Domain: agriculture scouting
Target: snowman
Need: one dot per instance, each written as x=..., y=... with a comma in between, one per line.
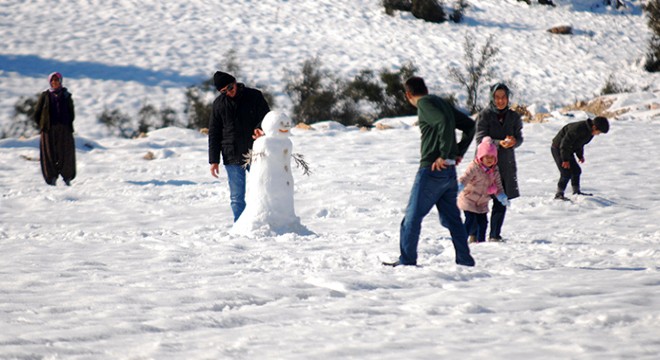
x=269, y=193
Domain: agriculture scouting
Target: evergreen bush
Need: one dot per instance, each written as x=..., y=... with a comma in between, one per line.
x=429, y=10
x=401, y=5
x=395, y=102
x=313, y=92
x=197, y=106
x=118, y=123
x=652, y=9
x=22, y=121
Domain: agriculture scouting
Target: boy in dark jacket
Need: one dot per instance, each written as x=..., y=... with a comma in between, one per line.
x=570, y=140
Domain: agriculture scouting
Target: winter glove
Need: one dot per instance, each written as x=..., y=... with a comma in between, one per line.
x=502, y=198
x=460, y=187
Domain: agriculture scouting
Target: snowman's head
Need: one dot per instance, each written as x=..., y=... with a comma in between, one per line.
x=276, y=123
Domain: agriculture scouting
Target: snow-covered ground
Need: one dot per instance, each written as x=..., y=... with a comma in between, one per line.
x=136, y=259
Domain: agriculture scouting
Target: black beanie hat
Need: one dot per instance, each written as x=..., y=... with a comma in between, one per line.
x=602, y=124
x=222, y=79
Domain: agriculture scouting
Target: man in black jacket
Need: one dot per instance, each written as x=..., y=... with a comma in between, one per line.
x=570, y=140
x=234, y=124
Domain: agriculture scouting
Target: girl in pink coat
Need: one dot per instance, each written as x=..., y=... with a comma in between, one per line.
x=480, y=181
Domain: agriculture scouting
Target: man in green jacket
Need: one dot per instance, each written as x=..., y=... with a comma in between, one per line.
x=435, y=182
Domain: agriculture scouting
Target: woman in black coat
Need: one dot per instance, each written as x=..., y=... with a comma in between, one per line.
x=504, y=126
x=55, y=114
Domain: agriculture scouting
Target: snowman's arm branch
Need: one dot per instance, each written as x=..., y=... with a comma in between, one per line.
x=300, y=162
x=250, y=156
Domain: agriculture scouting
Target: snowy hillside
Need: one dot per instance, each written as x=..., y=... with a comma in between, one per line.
x=123, y=54
x=136, y=260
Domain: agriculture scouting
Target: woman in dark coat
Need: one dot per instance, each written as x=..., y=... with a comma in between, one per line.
x=55, y=114
x=504, y=126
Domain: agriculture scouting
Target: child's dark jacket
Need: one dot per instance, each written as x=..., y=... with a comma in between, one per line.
x=572, y=138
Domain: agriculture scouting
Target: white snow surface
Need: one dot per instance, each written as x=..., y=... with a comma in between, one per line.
x=136, y=260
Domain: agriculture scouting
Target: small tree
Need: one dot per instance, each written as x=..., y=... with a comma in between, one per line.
x=22, y=121
x=429, y=10
x=652, y=9
x=478, y=70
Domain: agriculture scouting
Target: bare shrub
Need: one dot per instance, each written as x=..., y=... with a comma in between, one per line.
x=477, y=69
x=612, y=86
x=459, y=11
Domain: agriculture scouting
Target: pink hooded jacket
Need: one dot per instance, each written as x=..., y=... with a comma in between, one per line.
x=480, y=182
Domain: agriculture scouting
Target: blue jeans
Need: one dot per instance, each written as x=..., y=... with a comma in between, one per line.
x=437, y=188
x=236, y=177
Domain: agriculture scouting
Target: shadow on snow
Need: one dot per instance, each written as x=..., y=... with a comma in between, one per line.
x=33, y=65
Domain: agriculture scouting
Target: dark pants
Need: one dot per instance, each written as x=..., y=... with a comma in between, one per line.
x=565, y=175
x=497, y=219
x=478, y=221
x=439, y=189
x=57, y=154
x=497, y=214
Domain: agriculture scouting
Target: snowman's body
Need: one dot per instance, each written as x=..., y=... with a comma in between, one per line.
x=269, y=193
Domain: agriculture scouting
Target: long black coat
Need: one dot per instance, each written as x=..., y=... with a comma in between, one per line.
x=232, y=124
x=489, y=125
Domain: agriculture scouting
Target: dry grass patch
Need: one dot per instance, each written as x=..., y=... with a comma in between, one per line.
x=599, y=106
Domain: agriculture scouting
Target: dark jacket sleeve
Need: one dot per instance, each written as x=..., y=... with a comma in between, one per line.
x=468, y=129
x=72, y=109
x=215, y=134
x=570, y=143
x=264, y=109
x=482, y=127
x=38, y=111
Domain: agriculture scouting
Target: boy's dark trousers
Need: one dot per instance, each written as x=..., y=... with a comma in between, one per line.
x=478, y=223
x=565, y=175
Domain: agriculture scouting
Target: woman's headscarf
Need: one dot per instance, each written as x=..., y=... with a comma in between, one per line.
x=493, y=89
x=50, y=78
